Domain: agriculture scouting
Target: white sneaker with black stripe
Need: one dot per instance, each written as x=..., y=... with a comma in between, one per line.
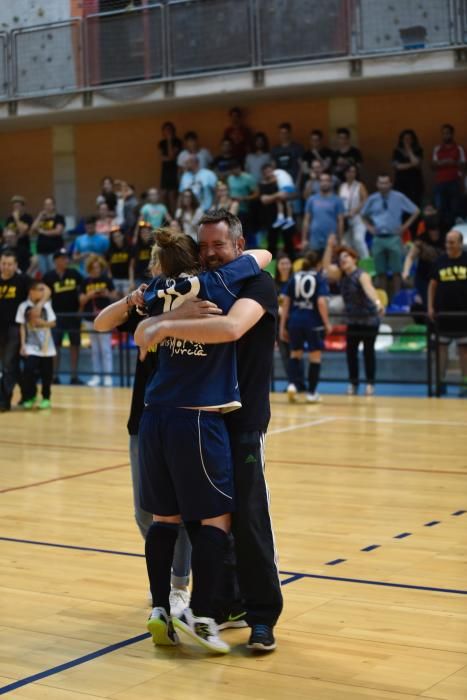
x=202, y=630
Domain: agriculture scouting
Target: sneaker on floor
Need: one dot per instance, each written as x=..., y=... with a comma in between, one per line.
x=202, y=630
x=45, y=403
x=369, y=390
x=179, y=600
x=94, y=381
x=261, y=638
x=280, y=221
x=76, y=381
x=108, y=381
x=288, y=223
x=352, y=390
x=233, y=619
x=292, y=393
x=161, y=628
x=30, y=403
x=313, y=398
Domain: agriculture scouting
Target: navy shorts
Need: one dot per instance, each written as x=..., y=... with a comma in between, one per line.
x=185, y=463
x=304, y=336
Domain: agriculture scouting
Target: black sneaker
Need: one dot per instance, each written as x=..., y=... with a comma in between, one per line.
x=232, y=619
x=261, y=638
x=76, y=381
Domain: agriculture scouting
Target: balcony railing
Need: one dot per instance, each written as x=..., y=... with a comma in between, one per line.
x=186, y=38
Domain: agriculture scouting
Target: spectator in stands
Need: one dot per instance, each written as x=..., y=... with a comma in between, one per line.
x=189, y=214
x=383, y=215
x=282, y=277
x=13, y=291
x=287, y=154
x=120, y=256
x=154, y=211
x=447, y=292
x=223, y=199
x=104, y=220
x=90, y=243
x=64, y=283
x=223, y=163
x=192, y=148
x=258, y=157
x=426, y=249
x=107, y=195
x=407, y=161
x=20, y=222
x=201, y=181
x=429, y=219
x=324, y=214
x=244, y=190
x=238, y=134
x=270, y=197
x=354, y=194
x=142, y=253
x=345, y=154
x=129, y=207
x=97, y=292
x=310, y=183
x=49, y=226
x=363, y=309
x=36, y=319
x=316, y=151
x=169, y=148
x=449, y=164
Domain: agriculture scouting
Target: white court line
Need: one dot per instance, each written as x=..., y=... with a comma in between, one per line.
x=308, y=424
x=402, y=421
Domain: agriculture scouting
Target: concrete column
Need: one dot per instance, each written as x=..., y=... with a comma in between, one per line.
x=64, y=172
x=343, y=112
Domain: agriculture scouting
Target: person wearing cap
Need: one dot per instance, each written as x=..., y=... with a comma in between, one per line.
x=89, y=243
x=20, y=222
x=142, y=252
x=64, y=283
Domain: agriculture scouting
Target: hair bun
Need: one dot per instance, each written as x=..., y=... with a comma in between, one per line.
x=164, y=237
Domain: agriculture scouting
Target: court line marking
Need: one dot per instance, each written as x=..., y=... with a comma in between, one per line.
x=63, y=478
x=55, y=446
x=296, y=575
x=367, y=466
x=308, y=424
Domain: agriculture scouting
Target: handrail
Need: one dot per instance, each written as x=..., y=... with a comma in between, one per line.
x=348, y=34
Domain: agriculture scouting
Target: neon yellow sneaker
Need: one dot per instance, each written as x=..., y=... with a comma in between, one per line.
x=45, y=403
x=30, y=403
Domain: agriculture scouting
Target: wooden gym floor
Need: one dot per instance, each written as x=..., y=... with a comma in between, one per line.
x=369, y=504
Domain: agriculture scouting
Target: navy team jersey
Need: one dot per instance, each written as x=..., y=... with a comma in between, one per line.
x=304, y=290
x=194, y=374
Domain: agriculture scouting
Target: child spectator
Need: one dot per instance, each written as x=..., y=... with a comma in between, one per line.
x=36, y=318
x=154, y=211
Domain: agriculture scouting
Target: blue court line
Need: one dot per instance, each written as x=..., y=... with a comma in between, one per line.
x=402, y=535
x=291, y=579
x=432, y=523
x=370, y=547
x=334, y=562
x=72, y=546
x=71, y=664
x=388, y=584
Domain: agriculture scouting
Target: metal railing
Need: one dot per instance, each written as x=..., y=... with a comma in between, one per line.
x=399, y=369
x=186, y=38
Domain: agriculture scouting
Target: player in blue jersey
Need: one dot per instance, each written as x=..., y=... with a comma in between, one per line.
x=186, y=462
x=304, y=320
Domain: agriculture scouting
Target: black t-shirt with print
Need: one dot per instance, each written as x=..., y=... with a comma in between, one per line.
x=254, y=359
x=12, y=293
x=65, y=290
x=143, y=373
x=324, y=153
x=49, y=244
x=142, y=258
x=23, y=245
x=97, y=284
x=451, y=291
x=119, y=261
x=267, y=212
